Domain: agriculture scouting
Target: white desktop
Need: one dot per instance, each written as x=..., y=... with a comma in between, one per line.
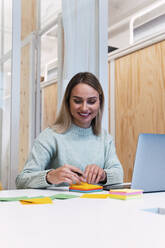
x=81, y=223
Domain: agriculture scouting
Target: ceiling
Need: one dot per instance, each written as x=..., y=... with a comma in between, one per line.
x=118, y=10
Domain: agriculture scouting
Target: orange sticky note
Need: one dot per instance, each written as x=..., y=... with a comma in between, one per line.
x=44, y=200
x=85, y=187
x=96, y=196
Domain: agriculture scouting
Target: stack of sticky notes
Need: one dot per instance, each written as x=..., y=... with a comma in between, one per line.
x=125, y=194
x=85, y=188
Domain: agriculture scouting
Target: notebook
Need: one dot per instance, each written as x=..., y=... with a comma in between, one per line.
x=149, y=166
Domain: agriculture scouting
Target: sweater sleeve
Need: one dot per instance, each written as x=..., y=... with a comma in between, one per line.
x=36, y=167
x=112, y=164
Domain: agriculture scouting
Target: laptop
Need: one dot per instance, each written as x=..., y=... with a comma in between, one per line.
x=149, y=166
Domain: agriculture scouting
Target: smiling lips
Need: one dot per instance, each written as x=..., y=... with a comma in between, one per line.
x=84, y=114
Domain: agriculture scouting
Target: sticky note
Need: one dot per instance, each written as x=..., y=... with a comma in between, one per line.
x=125, y=197
x=125, y=194
x=126, y=191
x=96, y=196
x=63, y=196
x=85, y=187
x=9, y=199
x=1, y=186
x=44, y=200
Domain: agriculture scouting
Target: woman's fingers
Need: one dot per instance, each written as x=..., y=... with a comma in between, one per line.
x=99, y=175
x=66, y=173
x=94, y=174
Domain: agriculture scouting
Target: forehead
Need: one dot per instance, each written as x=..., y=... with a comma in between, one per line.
x=84, y=90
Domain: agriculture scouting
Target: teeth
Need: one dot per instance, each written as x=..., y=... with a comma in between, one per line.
x=84, y=114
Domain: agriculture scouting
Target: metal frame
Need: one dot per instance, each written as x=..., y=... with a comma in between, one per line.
x=15, y=55
x=140, y=14
x=1, y=75
x=39, y=34
x=15, y=92
x=32, y=89
x=102, y=53
x=136, y=46
x=34, y=39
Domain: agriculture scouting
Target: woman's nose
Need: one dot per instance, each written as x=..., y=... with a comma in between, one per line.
x=84, y=106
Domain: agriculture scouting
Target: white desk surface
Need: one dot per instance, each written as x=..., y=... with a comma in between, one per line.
x=81, y=222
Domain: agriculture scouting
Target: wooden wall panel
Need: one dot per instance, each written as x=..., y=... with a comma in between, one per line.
x=49, y=105
x=28, y=17
x=28, y=25
x=140, y=100
x=24, y=106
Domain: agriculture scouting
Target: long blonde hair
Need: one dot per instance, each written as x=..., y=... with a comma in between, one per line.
x=64, y=118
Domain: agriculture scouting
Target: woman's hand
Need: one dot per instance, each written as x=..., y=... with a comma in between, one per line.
x=94, y=174
x=65, y=174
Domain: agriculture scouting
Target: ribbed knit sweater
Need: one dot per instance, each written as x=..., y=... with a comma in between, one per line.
x=78, y=147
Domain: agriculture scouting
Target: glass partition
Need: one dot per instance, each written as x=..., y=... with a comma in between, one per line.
x=5, y=88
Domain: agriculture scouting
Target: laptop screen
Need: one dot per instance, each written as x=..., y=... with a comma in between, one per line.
x=149, y=166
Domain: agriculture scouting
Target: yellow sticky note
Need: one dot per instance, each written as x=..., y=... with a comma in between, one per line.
x=0, y=186
x=96, y=196
x=124, y=197
x=44, y=200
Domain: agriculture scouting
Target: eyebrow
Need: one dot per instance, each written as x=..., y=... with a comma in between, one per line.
x=92, y=97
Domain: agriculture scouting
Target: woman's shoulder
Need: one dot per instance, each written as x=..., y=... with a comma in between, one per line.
x=106, y=135
x=47, y=134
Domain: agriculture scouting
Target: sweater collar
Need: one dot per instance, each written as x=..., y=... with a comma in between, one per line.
x=81, y=131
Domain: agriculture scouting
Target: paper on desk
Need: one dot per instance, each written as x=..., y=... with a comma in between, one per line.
x=18, y=198
x=98, y=196
x=13, y=198
x=44, y=200
x=63, y=196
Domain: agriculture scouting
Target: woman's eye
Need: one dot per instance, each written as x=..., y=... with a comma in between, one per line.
x=91, y=102
x=77, y=101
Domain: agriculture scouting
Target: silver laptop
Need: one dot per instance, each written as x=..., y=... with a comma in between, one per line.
x=149, y=166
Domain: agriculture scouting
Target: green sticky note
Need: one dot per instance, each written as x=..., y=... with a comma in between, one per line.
x=34, y=197
x=18, y=198
x=13, y=198
x=63, y=196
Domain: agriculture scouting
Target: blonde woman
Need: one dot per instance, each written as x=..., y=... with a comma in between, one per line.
x=76, y=148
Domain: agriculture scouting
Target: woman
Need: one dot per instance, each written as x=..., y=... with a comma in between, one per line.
x=75, y=149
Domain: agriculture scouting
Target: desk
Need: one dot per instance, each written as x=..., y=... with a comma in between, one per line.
x=81, y=223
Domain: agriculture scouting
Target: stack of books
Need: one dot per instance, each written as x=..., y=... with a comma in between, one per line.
x=85, y=188
x=125, y=194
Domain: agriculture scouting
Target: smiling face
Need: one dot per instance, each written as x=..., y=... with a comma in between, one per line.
x=84, y=104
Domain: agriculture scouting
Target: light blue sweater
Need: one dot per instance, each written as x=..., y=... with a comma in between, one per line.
x=78, y=147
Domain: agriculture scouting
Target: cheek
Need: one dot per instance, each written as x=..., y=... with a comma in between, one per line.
x=96, y=109
x=73, y=108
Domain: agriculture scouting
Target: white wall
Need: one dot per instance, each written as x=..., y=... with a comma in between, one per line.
x=119, y=39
